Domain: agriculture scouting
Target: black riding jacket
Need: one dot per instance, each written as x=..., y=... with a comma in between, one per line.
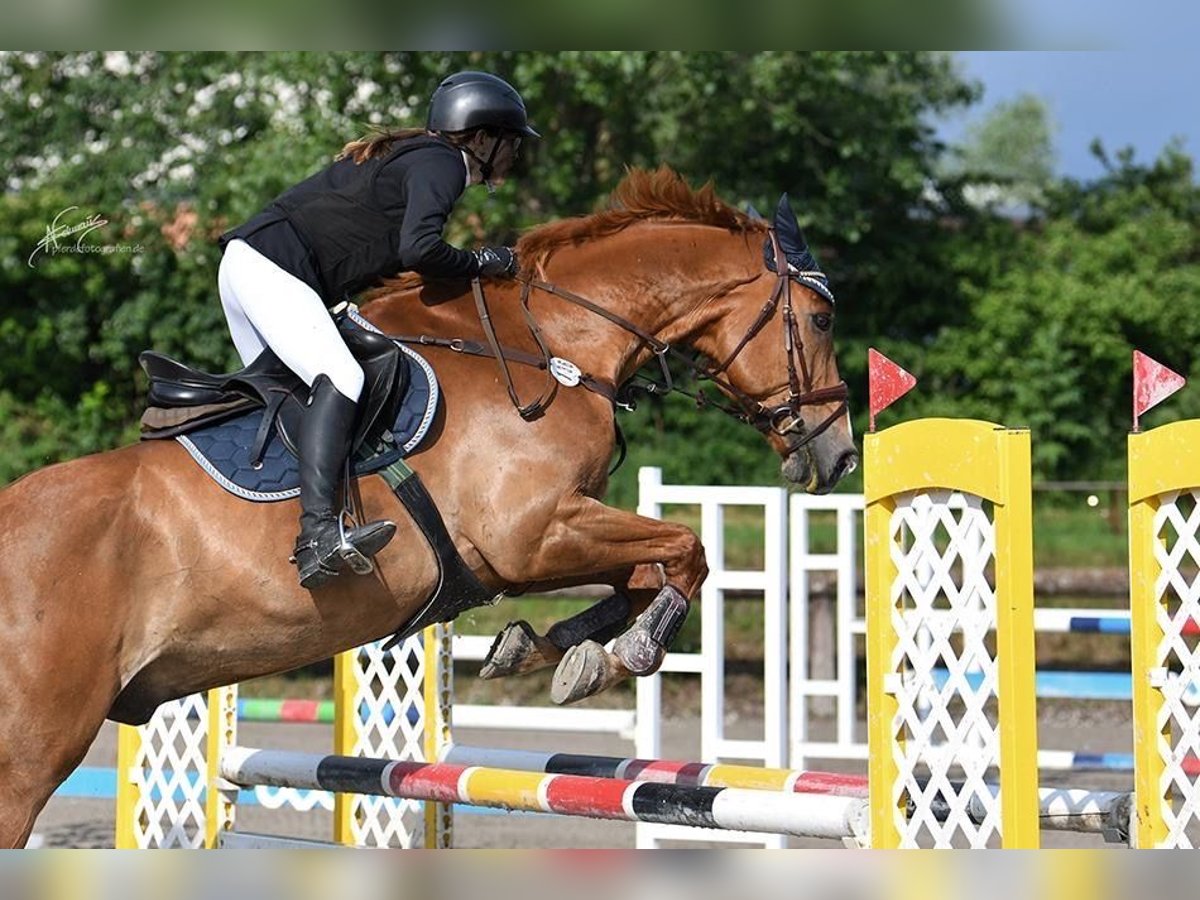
x=351, y=224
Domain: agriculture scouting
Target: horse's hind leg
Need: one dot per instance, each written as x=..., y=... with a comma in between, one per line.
x=36, y=758
x=19, y=809
x=31, y=770
x=55, y=703
x=518, y=649
x=26, y=783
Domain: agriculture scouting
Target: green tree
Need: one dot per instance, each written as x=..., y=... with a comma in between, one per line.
x=1114, y=265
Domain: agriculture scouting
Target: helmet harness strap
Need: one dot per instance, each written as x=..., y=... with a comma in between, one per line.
x=486, y=166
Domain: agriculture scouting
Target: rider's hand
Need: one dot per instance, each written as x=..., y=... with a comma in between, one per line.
x=497, y=261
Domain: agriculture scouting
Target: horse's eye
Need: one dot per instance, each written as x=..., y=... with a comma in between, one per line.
x=823, y=321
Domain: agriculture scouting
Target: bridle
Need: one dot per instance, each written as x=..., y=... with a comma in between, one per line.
x=783, y=419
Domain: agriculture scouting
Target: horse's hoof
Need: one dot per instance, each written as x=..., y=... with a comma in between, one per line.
x=584, y=671
x=512, y=646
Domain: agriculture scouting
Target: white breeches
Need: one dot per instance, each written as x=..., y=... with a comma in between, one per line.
x=268, y=307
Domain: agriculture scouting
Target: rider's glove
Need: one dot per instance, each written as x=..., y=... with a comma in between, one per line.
x=497, y=261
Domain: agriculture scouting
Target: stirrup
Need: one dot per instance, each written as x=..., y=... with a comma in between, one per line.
x=359, y=563
x=358, y=546
x=351, y=548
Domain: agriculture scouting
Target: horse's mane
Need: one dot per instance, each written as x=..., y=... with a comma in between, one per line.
x=641, y=195
x=662, y=194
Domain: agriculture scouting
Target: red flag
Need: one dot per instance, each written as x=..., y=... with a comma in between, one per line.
x=1152, y=384
x=886, y=381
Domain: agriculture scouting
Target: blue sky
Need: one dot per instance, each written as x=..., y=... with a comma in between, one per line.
x=1138, y=98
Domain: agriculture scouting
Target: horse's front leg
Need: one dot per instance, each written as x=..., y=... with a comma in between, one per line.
x=518, y=649
x=668, y=567
x=588, y=668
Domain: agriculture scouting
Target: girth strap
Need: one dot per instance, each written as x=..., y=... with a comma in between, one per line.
x=457, y=587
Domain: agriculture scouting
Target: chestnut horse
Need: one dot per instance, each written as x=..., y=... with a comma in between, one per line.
x=130, y=578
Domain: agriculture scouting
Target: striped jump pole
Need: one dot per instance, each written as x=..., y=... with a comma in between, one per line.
x=307, y=712
x=729, y=809
x=661, y=771
x=1059, y=809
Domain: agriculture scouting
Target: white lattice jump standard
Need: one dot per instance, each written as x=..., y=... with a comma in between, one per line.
x=948, y=500
x=947, y=507
x=395, y=705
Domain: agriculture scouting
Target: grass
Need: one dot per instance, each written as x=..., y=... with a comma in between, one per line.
x=1070, y=533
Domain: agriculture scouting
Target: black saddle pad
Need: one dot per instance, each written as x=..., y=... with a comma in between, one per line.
x=223, y=450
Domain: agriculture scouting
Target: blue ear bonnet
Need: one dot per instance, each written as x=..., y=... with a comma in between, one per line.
x=802, y=265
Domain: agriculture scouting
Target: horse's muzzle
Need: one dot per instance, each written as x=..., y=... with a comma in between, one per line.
x=803, y=467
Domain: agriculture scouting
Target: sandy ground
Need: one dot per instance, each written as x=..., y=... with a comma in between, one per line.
x=72, y=822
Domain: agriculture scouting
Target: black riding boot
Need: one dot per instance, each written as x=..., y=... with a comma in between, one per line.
x=322, y=551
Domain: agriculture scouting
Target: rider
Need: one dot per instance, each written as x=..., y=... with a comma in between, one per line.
x=377, y=210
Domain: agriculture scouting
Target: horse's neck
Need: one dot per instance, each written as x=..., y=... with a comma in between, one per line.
x=659, y=277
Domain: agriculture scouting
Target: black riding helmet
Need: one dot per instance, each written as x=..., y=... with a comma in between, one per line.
x=468, y=100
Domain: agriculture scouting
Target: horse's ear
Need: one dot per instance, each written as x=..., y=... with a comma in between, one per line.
x=787, y=229
x=754, y=213
x=791, y=239
x=802, y=265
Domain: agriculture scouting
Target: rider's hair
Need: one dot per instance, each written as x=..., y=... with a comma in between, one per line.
x=458, y=138
x=377, y=143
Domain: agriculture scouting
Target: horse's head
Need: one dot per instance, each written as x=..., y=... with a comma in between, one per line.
x=668, y=265
x=776, y=360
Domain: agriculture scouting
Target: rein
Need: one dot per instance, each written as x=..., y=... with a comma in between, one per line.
x=748, y=409
x=782, y=419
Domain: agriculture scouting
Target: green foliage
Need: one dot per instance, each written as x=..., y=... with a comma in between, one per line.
x=1110, y=267
x=1022, y=323
x=691, y=448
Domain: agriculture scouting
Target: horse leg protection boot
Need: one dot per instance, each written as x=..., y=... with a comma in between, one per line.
x=643, y=646
x=600, y=622
x=324, y=548
x=587, y=668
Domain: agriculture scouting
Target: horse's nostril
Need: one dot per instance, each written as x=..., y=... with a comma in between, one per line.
x=846, y=464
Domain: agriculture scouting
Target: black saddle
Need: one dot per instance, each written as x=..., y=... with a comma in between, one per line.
x=183, y=399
